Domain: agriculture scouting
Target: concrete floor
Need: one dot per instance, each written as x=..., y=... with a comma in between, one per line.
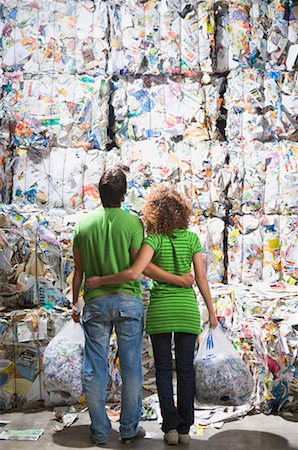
x=254, y=432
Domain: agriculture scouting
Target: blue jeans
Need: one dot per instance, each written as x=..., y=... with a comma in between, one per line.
x=178, y=418
x=101, y=314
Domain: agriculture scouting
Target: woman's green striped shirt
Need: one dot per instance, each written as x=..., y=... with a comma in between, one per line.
x=173, y=308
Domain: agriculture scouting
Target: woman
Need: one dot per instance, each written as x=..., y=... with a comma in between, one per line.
x=173, y=311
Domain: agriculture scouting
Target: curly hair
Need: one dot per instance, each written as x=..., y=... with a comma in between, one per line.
x=165, y=211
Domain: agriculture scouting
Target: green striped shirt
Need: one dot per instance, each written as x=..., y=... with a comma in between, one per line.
x=173, y=308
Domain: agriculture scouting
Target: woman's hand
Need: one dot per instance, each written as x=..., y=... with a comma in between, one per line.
x=187, y=280
x=93, y=282
x=213, y=321
x=75, y=314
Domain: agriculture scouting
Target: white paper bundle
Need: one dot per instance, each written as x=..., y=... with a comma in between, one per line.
x=161, y=37
x=67, y=109
x=61, y=37
x=55, y=180
x=153, y=107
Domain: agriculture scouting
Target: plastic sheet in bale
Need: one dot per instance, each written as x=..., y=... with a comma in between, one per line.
x=29, y=105
x=247, y=165
x=282, y=35
x=272, y=268
x=17, y=246
x=236, y=171
x=254, y=177
x=5, y=164
x=255, y=34
x=162, y=36
x=83, y=110
x=289, y=178
x=263, y=332
x=135, y=37
x=20, y=35
x=91, y=39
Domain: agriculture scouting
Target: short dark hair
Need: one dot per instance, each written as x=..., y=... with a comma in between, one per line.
x=112, y=187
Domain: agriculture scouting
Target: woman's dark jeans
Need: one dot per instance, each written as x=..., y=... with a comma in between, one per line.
x=178, y=418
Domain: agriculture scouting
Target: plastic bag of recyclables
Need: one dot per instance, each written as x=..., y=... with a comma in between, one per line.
x=221, y=377
x=63, y=360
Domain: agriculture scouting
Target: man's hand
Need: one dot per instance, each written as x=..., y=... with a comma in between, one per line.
x=187, y=280
x=93, y=282
x=75, y=314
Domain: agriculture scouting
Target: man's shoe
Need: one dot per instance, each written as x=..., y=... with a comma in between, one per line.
x=184, y=438
x=140, y=434
x=171, y=437
x=99, y=443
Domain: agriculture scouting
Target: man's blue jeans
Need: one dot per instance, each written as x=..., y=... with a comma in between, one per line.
x=101, y=314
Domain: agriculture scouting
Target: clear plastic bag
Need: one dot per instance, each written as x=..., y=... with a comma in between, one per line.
x=63, y=360
x=221, y=377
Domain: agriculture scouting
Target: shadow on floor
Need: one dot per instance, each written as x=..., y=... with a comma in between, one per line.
x=248, y=440
x=78, y=437
x=292, y=418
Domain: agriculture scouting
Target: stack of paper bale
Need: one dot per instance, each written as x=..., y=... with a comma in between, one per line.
x=200, y=95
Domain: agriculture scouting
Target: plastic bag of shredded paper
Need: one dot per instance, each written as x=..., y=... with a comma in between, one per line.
x=221, y=377
x=63, y=360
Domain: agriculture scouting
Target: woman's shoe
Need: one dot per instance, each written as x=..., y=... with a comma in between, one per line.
x=171, y=437
x=184, y=438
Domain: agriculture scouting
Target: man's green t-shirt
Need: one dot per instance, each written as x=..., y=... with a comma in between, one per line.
x=105, y=238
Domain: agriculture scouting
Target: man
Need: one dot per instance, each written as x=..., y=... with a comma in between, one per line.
x=105, y=242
